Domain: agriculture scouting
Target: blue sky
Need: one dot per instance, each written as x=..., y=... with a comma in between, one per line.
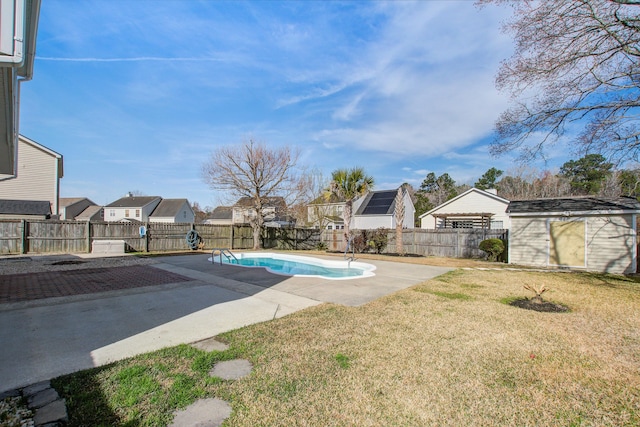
x=136, y=94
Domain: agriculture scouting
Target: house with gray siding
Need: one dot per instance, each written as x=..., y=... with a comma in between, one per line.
x=221, y=215
x=71, y=207
x=589, y=233
x=38, y=173
x=91, y=213
x=173, y=211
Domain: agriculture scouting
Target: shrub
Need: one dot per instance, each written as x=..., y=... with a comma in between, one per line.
x=360, y=242
x=493, y=248
x=378, y=239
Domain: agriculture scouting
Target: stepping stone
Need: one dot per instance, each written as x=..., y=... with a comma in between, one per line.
x=55, y=413
x=231, y=369
x=202, y=413
x=210, y=344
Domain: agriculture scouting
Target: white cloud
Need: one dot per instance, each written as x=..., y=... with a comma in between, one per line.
x=429, y=88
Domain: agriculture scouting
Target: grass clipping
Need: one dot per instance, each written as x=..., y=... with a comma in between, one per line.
x=446, y=352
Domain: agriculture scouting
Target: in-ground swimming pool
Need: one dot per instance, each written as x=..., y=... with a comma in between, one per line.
x=295, y=265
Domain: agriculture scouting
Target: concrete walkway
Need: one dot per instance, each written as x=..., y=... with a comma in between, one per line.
x=45, y=338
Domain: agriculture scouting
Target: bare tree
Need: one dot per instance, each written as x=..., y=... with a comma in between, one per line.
x=316, y=212
x=252, y=170
x=576, y=66
x=526, y=183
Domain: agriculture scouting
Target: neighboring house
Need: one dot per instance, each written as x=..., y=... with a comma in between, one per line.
x=71, y=207
x=373, y=210
x=38, y=174
x=24, y=209
x=472, y=209
x=222, y=215
x=18, y=31
x=326, y=213
x=589, y=233
x=274, y=211
x=131, y=208
x=173, y=211
x=92, y=213
x=377, y=210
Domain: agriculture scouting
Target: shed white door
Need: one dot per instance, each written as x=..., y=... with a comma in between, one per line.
x=567, y=243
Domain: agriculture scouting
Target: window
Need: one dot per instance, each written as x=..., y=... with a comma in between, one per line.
x=126, y=213
x=329, y=227
x=462, y=224
x=112, y=212
x=137, y=213
x=184, y=214
x=496, y=225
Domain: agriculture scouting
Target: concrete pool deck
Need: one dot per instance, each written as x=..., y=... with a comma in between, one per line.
x=48, y=337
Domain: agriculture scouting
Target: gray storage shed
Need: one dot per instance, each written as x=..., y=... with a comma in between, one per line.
x=590, y=233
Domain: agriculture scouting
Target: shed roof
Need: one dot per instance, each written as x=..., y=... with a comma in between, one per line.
x=169, y=207
x=574, y=204
x=25, y=207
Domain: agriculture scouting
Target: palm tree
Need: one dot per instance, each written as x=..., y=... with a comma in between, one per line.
x=348, y=185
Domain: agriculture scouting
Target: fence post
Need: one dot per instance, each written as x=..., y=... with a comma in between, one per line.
x=146, y=238
x=25, y=234
x=88, y=231
x=231, y=242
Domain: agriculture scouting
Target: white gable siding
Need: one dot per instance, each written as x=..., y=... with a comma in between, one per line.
x=472, y=202
x=36, y=176
x=610, y=240
x=370, y=222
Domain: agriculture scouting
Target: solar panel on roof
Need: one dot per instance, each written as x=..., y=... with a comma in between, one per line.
x=379, y=203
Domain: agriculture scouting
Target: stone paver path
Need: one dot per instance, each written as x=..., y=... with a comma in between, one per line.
x=212, y=412
x=203, y=413
x=231, y=369
x=51, y=284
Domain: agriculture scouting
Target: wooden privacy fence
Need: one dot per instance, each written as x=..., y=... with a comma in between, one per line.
x=27, y=236
x=446, y=242
x=30, y=236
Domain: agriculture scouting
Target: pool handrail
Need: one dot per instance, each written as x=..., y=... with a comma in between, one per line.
x=353, y=251
x=222, y=251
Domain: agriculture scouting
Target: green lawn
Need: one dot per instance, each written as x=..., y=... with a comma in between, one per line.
x=449, y=351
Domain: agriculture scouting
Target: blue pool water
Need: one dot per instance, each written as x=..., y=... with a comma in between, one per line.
x=294, y=268
x=293, y=265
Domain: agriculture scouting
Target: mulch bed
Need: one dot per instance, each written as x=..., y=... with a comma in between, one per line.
x=50, y=284
x=544, y=306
